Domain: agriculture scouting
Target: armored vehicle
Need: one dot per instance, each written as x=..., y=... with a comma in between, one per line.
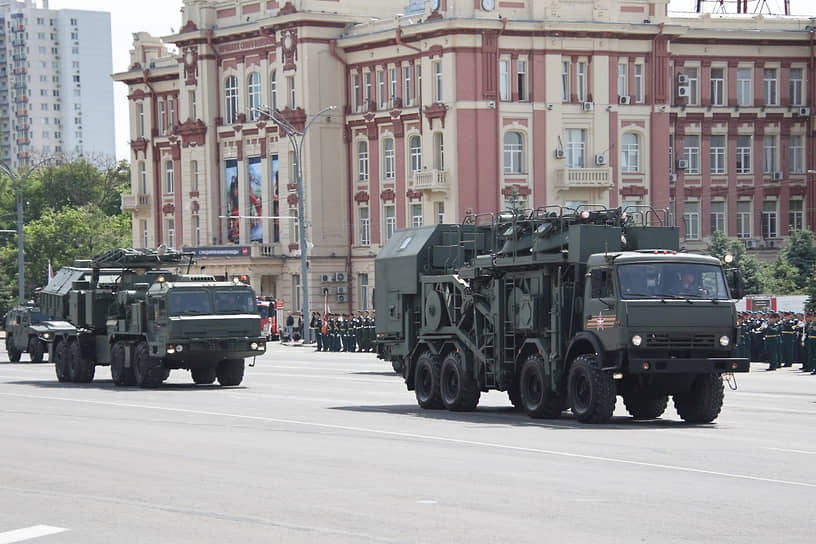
x=127, y=309
x=561, y=308
x=23, y=326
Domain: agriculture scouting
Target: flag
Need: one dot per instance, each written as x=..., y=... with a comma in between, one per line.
x=50, y=271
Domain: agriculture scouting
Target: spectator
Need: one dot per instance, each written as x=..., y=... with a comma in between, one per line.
x=290, y=325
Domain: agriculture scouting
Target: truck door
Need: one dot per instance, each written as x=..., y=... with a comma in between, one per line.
x=600, y=308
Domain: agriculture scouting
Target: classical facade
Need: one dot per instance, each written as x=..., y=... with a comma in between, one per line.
x=447, y=107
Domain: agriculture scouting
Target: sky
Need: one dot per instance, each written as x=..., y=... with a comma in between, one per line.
x=162, y=17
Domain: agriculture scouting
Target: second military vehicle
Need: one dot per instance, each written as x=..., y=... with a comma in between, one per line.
x=126, y=309
x=23, y=326
x=560, y=308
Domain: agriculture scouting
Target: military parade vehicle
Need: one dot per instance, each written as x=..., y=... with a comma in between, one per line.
x=127, y=309
x=561, y=308
x=22, y=325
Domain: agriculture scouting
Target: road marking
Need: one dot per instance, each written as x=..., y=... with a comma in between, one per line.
x=793, y=451
x=432, y=438
x=28, y=533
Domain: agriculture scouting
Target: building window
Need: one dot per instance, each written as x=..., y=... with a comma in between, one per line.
x=231, y=100
x=744, y=154
x=576, y=147
x=691, y=153
x=744, y=87
x=171, y=232
x=362, y=281
x=142, y=178
x=171, y=119
x=365, y=227
x=254, y=95
x=418, y=84
x=415, y=149
x=438, y=80
x=513, y=153
x=580, y=81
x=565, y=77
x=169, y=175
x=194, y=172
x=691, y=74
x=691, y=218
x=196, y=230
x=718, y=154
x=191, y=98
x=355, y=91
x=290, y=86
x=162, y=118
x=390, y=221
x=623, y=80
x=717, y=86
x=367, y=91
x=744, y=219
x=439, y=151
x=362, y=161
x=769, y=85
x=273, y=89
x=406, y=85
x=796, y=86
x=504, y=80
x=797, y=154
x=389, y=159
x=521, y=79
x=769, y=154
x=769, y=227
x=380, y=89
x=416, y=215
x=440, y=213
x=638, y=83
x=718, y=216
x=145, y=238
x=796, y=215
x=392, y=72
x=630, y=153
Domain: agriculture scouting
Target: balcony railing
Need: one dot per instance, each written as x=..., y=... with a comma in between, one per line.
x=431, y=180
x=135, y=202
x=584, y=178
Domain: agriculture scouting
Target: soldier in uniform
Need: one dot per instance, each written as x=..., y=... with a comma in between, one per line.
x=358, y=332
x=810, y=344
x=743, y=348
x=372, y=332
x=317, y=325
x=788, y=330
x=773, y=342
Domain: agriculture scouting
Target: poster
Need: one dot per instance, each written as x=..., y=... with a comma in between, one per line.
x=233, y=222
x=255, y=200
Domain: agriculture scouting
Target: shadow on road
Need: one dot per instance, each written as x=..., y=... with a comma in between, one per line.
x=391, y=373
x=108, y=384
x=23, y=363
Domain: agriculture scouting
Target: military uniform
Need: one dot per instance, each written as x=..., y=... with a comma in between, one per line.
x=788, y=331
x=810, y=346
x=773, y=343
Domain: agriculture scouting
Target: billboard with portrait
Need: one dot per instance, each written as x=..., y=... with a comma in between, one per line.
x=233, y=213
x=255, y=199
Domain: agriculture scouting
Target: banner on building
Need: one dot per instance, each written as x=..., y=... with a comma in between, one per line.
x=255, y=199
x=275, y=203
x=233, y=223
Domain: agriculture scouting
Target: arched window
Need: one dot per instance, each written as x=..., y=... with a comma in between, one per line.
x=630, y=153
x=415, y=149
x=389, y=159
x=169, y=177
x=513, y=153
x=231, y=99
x=254, y=95
x=362, y=161
x=273, y=87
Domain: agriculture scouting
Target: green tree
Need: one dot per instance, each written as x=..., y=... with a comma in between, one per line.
x=753, y=272
x=783, y=278
x=800, y=252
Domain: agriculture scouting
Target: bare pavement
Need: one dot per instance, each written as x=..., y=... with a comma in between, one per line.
x=325, y=447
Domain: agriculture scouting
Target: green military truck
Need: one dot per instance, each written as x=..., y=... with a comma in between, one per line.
x=127, y=309
x=561, y=309
x=23, y=325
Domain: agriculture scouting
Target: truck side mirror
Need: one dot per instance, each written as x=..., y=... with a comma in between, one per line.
x=735, y=283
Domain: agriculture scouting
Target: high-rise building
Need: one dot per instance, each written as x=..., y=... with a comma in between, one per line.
x=56, y=95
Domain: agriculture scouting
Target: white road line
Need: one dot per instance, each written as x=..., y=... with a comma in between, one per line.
x=28, y=533
x=431, y=438
x=793, y=451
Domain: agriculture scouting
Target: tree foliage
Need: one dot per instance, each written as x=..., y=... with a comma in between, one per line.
x=753, y=272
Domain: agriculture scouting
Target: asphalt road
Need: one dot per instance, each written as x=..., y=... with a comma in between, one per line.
x=320, y=447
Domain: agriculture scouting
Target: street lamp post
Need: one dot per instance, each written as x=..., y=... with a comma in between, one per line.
x=296, y=139
x=18, y=180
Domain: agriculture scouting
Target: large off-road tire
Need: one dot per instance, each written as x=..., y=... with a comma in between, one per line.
x=537, y=398
x=61, y=362
x=121, y=375
x=147, y=370
x=703, y=403
x=36, y=349
x=514, y=394
x=426, y=381
x=459, y=391
x=80, y=369
x=203, y=375
x=14, y=354
x=640, y=407
x=592, y=392
x=230, y=372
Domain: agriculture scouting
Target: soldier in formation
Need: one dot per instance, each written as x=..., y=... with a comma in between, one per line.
x=780, y=338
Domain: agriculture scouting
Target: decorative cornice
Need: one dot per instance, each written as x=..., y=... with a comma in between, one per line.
x=413, y=195
x=388, y=195
x=192, y=133
x=361, y=197
x=436, y=111
x=168, y=209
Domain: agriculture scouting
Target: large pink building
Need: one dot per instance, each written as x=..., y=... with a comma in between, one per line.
x=446, y=107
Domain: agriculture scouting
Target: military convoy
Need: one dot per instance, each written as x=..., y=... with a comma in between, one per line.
x=22, y=325
x=561, y=308
x=125, y=308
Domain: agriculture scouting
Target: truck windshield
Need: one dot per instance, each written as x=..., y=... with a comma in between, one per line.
x=37, y=317
x=235, y=302
x=672, y=280
x=189, y=302
x=264, y=311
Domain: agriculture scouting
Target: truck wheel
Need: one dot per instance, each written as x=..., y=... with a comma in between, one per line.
x=703, y=403
x=459, y=391
x=426, y=381
x=80, y=369
x=36, y=348
x=230, y=372
x=61, y=361
x=591, y=391
x=147, y=370
x=514, y=394
x=203, y=375
x=646, y=408
x=13, y=353
x=537, y=399
x=120, y=374
x=397, y=366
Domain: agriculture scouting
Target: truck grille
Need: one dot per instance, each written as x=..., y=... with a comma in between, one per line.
x=216, y=345
x=679, y=341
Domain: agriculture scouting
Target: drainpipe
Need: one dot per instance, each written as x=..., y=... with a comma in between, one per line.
x=499, y=139
x=156, y=159
x=215, y=129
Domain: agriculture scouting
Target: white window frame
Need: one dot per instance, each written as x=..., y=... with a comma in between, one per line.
x=770, y=86
x=744, y=157
x=797, y=154
x=513, y=152
x=718, y=155
x=691, y=220
x=254, y=95
x=438, y=81
x=769, y=162
x=630, y=153
x=576, y=147
x=362, y=161
x=169, y=177
x=389, y=158
x=416, y=215
x=390, y=214
x=415, y=153
x=230, y=99
x=718, y=86
x=744, y=219
x=365, y=226
x=691, y=153
x=717, y=216
x=504, y=80
x=745, y=96
x=797, y=86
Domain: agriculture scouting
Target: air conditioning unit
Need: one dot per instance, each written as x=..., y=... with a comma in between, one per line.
x=672, y=177
x=600, y=159
x=771, y=244
x=804, y=112
x=326, y=278
x=682, y=79
x=341, y=290
x=341, y=276
x=326, y=291
x=683, y=91
x=750, y=244
x=341, y=298
x=625, y=100
x=588, y=106
x=559, y=153
x=681, y=164
x=778, y=175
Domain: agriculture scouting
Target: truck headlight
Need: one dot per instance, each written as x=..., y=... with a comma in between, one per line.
x=253, y=345
x=179, y=348
x=46, y=335
x=724, y=341
x=637, y=340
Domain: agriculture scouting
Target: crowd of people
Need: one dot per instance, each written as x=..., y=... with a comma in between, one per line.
x=780, y=338
x=344, y=332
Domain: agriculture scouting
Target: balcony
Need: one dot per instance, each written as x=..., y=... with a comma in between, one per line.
x=584, y=178
x=431, y=180
x=132, y=203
